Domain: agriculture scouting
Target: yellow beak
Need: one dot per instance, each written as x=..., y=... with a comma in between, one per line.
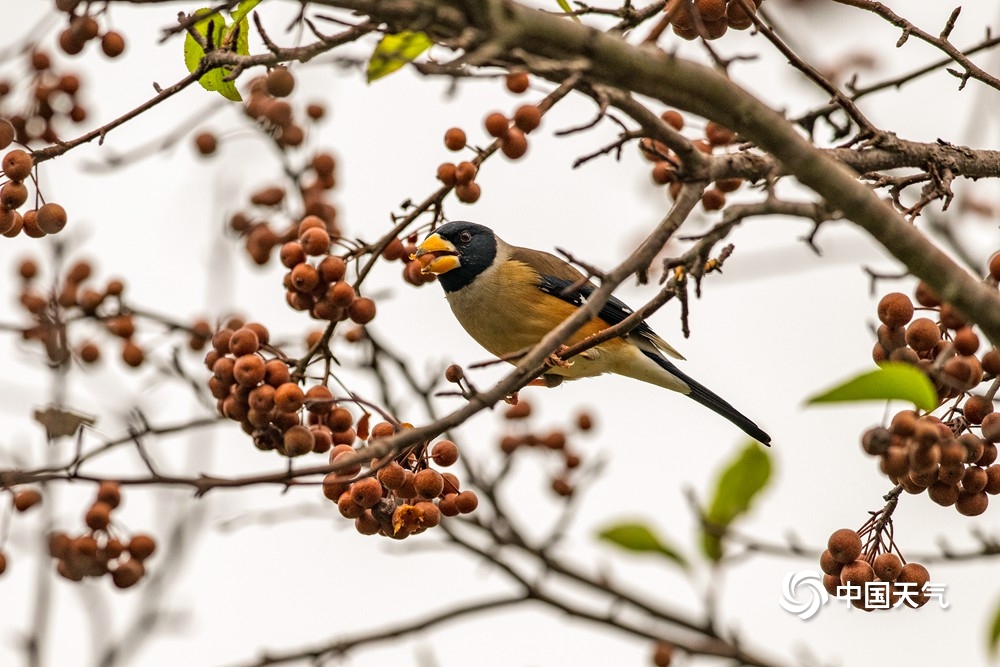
x=436, y=255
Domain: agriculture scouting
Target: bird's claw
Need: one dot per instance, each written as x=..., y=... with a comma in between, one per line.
x=555, y=359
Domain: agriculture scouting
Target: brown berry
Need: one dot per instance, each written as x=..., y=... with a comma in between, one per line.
x=514, y=144
x=428, y=483
x=391, y=475
x=673, y=119
x=728, y=184
x=347, y=507
x=943, y=493
x=925, y=296
x=26, y=499
x=663, y=173
x=304, y=278
x=141, y=546
x=528, y=117
x=454, y=139
x=113, y=44
x=887, y=566
x=844, y=545
x=99, y=516
x=366, y=492
x=468, y=193
x=923, y=334
x=298, y=440
x=895, y=309
x=976, y=409
x=315, y=241
x=132, y=354
x=993, y=480
x=517, y=82
x=876, y=441
x=17, y=165
x=128, y=573
x=916, y=575
x=280, y=82
x=663, y=654
x=466, y=502
x=713, y=199
x=966, y=341
x=829, y=564
x=972, y=504
x=13, y=194
x=110, y=492
x=497, y=124
x=454, y=373
x=716, y=134
x=205, y=143
x=7, y=133
x=857, y=573
x=361, y=310
x=994, y=266
x=445, y=453
x=51, y=218
x=332, y=269
x=446, y=173
x=465, y=172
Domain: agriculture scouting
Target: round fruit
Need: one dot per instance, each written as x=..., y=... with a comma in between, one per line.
x=455, y=139
x=51, y=218
x=844, y=545
x=895, y=309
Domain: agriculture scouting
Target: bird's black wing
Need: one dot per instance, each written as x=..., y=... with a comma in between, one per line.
x=613, y=311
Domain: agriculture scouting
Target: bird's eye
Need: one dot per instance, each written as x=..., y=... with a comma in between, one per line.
x=465, y=237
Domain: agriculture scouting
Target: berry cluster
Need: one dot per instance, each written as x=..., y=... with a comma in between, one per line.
x=926, y=454
x=102, y=548
x=941, y=455
x=275, y=115
x=253, y=385
x=710, y=19
x=664, y=161
x=48, y=99
x=320, y=287
x=861, y=566
x=404, y=496
x=17, y=165
x=412, y=270
x=511, y=132
x=519, y=437
x=74, y=299
x=313, y=180
x=83, y=28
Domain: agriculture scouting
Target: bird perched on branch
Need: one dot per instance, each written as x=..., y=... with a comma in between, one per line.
x=508, y=298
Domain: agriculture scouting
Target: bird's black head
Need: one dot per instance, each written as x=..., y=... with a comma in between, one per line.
x=458, y=252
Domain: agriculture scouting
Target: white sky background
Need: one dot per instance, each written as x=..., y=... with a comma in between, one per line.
x=778, y=325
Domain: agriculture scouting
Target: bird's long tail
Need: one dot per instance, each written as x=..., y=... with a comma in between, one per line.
x=713, y=401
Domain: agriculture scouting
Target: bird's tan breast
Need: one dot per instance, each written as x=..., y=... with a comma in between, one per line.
x=505, y=312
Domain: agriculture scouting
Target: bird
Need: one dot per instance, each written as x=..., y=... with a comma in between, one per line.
x=508, y=298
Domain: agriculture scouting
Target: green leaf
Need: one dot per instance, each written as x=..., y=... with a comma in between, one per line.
x=638, y=537
x=213, y=28
x=994, y=636
x=564, y=5
x=740, y=482
x=394, y=51
x=891, y=381
x=243, y=10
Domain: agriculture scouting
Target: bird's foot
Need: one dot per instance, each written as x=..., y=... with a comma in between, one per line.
x=555, y=359
x=512, y=399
